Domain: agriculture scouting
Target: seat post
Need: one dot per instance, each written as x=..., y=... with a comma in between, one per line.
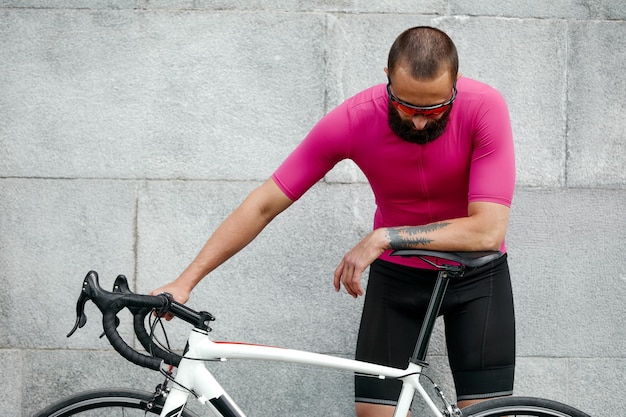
x=446, y=272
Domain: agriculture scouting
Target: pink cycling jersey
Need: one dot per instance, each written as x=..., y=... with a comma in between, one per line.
x=413, y=184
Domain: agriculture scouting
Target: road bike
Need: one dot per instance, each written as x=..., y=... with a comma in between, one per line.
x=186, y=375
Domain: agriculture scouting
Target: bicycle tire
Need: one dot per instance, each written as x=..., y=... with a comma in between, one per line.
x=521, y=407
x=106, y=403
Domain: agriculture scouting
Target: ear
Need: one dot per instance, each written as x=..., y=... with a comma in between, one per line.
x=458, y=76
x=387, y=72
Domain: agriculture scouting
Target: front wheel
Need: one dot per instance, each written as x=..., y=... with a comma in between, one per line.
x=521, y=407
x=107, y=403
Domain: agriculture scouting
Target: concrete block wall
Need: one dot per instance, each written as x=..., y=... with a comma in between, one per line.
x=129, y=129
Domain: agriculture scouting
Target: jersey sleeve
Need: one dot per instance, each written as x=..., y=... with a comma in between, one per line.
x=492, y=170
x=325, y=145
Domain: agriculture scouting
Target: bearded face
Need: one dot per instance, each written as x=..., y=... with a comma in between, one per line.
x=405, y=129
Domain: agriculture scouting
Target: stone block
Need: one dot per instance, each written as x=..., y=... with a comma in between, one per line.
x=596, y=103
x=11, y=402
x=563, y=9
x=596, y=382
x=542, y=377
x=567, y=271
x=69, y=4
x=51, y=234
x=156, y=95
x=327, y=6
x=50, y=375
x=274, y=388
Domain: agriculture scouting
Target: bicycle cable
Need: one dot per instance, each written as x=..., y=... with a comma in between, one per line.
x=153, y=323
x=449, y=408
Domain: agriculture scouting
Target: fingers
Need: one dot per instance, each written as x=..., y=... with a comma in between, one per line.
x=337, y=276
x=178, y=294
x=350, y=276
x=357, y=260
x=347, y=278
x=353, y=283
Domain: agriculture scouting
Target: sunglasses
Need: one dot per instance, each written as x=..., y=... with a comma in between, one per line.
x=426, y=111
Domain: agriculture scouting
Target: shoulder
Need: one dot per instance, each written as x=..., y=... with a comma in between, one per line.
x=372, y=99
x=472, y=86
x=479, y=105
x=473, y=91
x=365, y=110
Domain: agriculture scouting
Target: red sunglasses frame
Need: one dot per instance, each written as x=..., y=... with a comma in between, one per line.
x=412, y=110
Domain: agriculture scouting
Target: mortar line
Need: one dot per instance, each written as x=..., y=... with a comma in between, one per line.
x=566, y=108
x=136, y=236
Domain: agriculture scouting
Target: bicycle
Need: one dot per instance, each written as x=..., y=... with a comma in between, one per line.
x=193, y=378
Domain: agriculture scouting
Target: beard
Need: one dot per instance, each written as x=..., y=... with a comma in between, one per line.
x=405, y=130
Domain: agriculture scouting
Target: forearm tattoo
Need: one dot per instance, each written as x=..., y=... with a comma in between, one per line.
x=412, y=237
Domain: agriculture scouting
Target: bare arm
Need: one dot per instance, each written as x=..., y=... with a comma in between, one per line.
x=241, y=227
x=483, y=229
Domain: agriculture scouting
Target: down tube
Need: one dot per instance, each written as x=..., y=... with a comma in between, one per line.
x=206, y=384
x=195, y=376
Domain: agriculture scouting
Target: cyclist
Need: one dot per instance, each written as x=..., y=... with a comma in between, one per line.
x=437, y=150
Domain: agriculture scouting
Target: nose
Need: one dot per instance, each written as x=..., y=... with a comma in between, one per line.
x=419, y=122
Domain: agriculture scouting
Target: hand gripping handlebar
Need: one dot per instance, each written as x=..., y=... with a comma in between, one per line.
x=111, y=303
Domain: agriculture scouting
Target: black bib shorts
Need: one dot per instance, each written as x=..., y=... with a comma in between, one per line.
x=479, y=327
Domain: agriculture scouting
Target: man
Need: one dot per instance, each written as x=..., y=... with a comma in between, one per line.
x=437, y=150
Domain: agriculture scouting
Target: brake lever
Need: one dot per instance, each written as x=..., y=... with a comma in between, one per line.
x=81, y=317
x=119, y=286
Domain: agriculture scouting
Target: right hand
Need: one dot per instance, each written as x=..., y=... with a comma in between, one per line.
x=357, y=260
x=179, y=292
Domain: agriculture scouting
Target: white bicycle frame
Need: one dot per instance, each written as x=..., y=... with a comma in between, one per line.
x=193, y=375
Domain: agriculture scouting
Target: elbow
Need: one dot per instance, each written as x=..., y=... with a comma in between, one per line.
x=489, y=224
x=491, y=240
x=492, y=245
x=486, y=238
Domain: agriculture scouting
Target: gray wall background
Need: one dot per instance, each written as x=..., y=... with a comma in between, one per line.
x=130, y=128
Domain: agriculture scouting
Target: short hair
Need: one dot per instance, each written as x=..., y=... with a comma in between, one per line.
x=424, y=50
